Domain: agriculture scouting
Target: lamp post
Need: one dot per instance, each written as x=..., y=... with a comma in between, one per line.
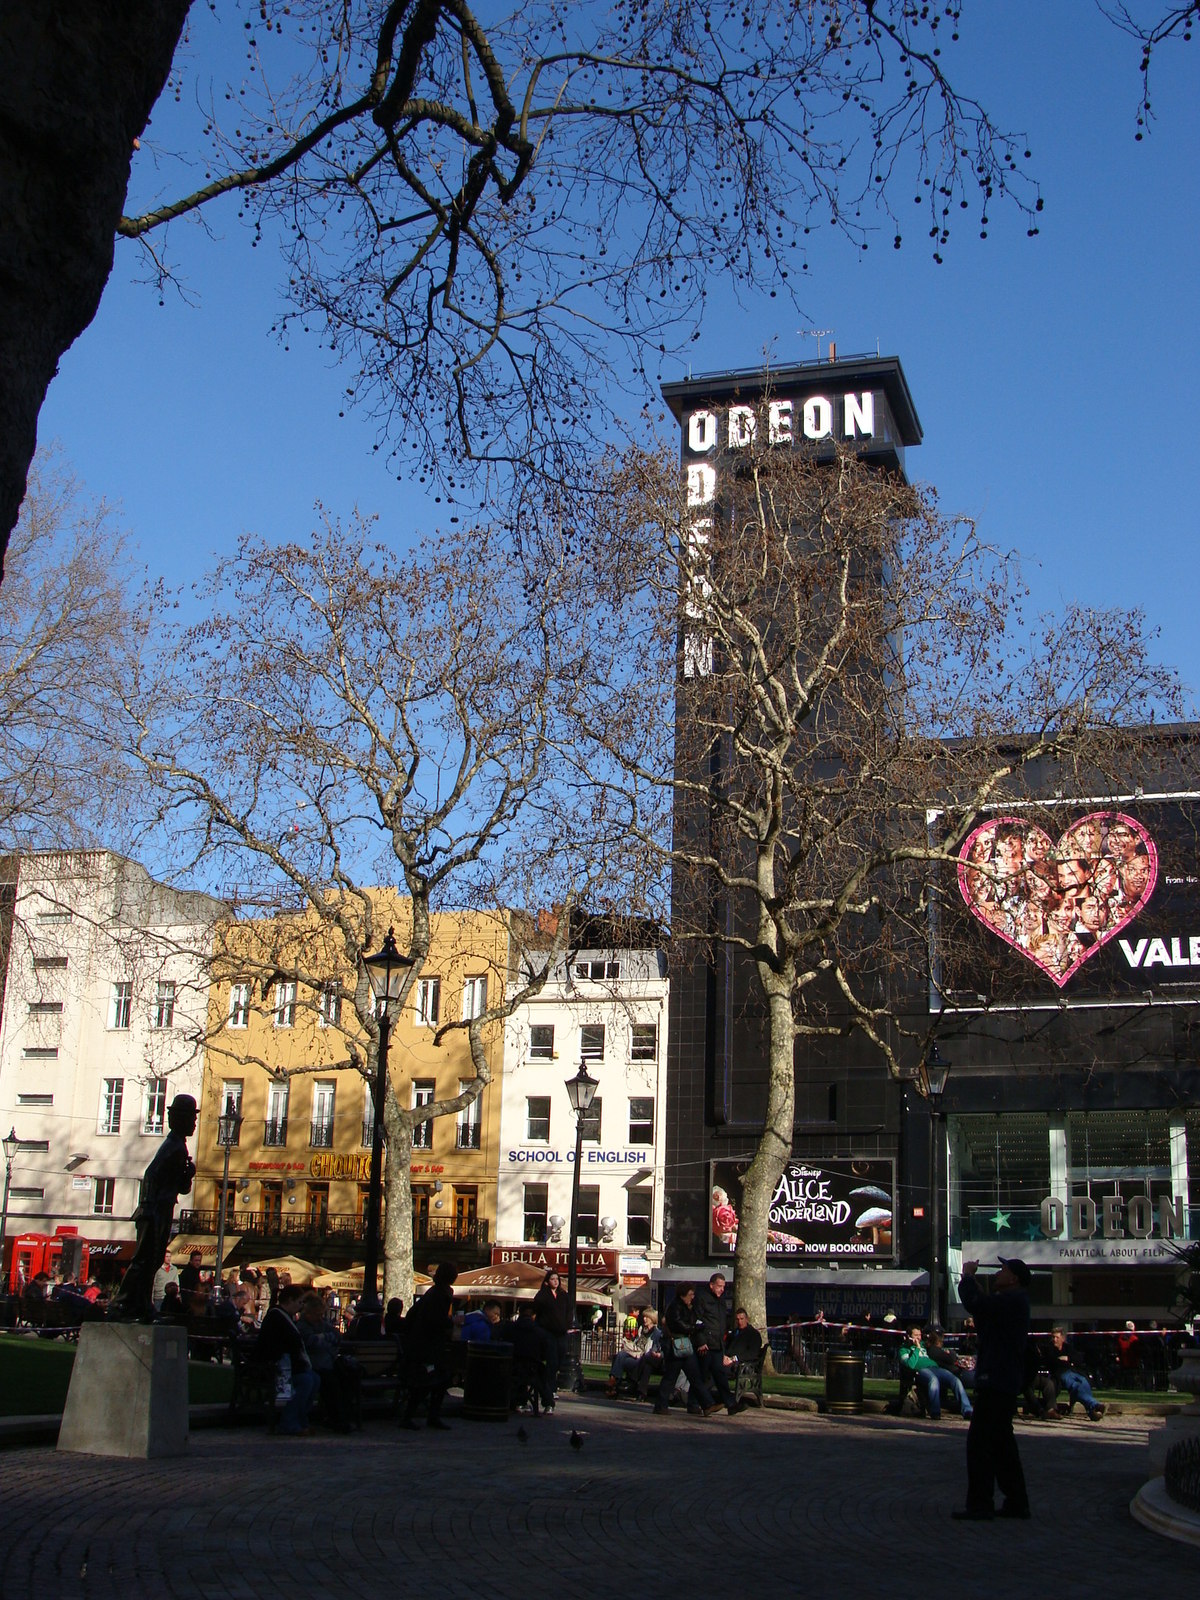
x=10, y=1149
x=581, y=1090
x=228, y=1127
x=385, y=973
x=932, y=1084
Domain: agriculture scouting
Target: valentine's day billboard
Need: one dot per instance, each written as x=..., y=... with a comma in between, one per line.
x=1073, y=902
x=821, y=1210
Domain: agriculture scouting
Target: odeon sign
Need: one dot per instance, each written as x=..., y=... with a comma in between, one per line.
x=852, y=416
x=1136, y=1223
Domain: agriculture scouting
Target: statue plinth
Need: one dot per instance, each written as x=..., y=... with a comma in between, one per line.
x=129, y=1392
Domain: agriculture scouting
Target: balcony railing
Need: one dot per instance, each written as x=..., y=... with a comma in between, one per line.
x=275, y=1133
x=336, y=1228
x=320, y=1134
x=467, y=1137
x=368, y=1132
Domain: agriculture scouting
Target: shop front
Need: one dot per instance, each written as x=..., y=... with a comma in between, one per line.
x=1093, y=1200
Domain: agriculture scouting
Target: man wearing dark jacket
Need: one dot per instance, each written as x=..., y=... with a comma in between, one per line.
x=279, y=1337
x=427, y=1330
x=1002, y=1321
x=712, y=1329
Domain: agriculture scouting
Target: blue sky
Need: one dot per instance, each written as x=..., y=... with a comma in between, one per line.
x=1054, y=377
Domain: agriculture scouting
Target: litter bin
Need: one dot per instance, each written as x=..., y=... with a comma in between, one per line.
x=488, y=1382
x=843, y=1381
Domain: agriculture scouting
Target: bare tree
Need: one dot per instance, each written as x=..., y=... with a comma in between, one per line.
x=806, y=676
x=346, y=719
x=65, y=623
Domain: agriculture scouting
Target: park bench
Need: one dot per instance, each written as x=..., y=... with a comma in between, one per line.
x=748, y=1384
x=381, y=1369
x=50, y=1319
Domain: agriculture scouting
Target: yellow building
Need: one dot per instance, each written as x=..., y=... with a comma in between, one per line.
x=284, y=1048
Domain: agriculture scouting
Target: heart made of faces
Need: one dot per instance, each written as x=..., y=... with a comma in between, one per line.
x=1058, y=901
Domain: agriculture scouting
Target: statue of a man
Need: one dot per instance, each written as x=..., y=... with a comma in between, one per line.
x=168, y=1176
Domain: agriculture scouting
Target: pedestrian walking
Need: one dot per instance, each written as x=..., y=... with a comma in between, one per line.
x=1002, y=1323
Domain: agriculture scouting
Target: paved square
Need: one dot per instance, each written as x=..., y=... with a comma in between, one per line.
x=763, y=1505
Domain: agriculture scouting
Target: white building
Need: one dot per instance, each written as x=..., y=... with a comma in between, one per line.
x=104, y=1006
x=606, y=1008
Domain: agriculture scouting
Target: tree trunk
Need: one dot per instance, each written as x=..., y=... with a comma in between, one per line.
x=398, y=1210
x=79, y=81
x=774, y=1148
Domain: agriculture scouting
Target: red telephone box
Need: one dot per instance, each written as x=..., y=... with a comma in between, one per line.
x=40, y=1252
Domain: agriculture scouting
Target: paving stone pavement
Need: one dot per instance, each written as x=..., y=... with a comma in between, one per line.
x=764, y=1505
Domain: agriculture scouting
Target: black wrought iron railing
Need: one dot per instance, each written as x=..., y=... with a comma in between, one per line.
x=320, y=1134
x=336, y=1227
x=368, y=1132
x=468, y=1136
x=275, y=1132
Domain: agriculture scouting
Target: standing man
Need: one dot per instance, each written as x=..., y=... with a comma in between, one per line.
x=1002, y=1322
x=712, y=1329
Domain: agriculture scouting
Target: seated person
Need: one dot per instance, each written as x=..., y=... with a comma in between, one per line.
x=393, y=1318
x=638, y=1343
x=172, y=1308
x=339, y=1380
x=279, y=1340
x=963, y=1367
x=930, y=1378
x=477, y=1325
x=744, y=1341
x=1040, y=1386
x=1065, y=1364
x=534, y=1359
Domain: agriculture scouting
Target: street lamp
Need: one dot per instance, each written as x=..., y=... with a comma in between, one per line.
x=932, y=1085
x=385, y=973
x=581, y=1091
x=11, y=1142
x=229, y=1125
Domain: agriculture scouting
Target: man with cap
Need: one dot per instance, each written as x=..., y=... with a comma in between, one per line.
x=1002, y=1323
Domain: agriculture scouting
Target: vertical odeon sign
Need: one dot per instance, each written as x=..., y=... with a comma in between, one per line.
x=817, y=408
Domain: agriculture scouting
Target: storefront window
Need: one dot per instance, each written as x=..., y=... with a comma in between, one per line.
x=999, y=1176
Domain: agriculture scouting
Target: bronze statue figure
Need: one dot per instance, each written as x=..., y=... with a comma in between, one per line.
x=168, y=1176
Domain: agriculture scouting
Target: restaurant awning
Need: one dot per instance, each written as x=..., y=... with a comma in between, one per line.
x=517, y=1280
x=183, y=1244
x=349, y=1280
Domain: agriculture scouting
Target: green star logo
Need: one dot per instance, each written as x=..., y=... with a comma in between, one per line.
x=999, y=1219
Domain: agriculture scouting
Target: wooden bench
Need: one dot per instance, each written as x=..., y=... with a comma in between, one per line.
x=382, y=1370
x=253, y=1382
x=50, y=1319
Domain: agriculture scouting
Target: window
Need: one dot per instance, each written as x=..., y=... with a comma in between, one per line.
x=641, y=1119
x=597, y=969
x=103, y=1195
x=270, y=1206
x=154, y=1106
x=474, y=998
x=239, y=1005
x=541, y=1042
x=591, y=1042
x=331, y=1005
x=422, y=1095
x=35, y=1099
x=589, y=1212
x=537, y=1119
x=50, y=1008
x=466, y=1210
x=639, y=1215
x=429, y=1001
x=467, y=1132
x=231, y=1100
x=33, y=1146
x=643, y=1041
x=368, y=1117
x=55, y=914
x=49, y=963
x=121, y=1005
x=591, y=1121
x=164, y=1004
x=111, y=1095
x=20, y=1193
x=317, y=1205
x=285, y=1004
x=536, y=1211
x=40, y=1052
x=275, y=1127
x=321, y=1130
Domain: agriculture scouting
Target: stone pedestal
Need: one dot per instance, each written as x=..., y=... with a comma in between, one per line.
x=129, y=1392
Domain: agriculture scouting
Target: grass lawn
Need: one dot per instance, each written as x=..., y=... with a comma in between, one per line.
x=35, y=1374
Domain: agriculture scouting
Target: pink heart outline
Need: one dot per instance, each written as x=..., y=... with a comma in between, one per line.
x=980, y=881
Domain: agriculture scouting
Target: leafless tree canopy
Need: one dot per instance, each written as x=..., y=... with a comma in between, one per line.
x=346, y=719
x=807, y=672
x=65, y=624
x=497, y=216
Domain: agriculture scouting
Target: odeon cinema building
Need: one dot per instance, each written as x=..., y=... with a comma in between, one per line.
x=1068, y=1128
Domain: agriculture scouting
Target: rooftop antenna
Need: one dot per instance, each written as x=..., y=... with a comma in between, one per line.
x=818, y=334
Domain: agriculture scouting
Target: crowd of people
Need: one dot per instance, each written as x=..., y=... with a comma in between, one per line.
x=698, y=1350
